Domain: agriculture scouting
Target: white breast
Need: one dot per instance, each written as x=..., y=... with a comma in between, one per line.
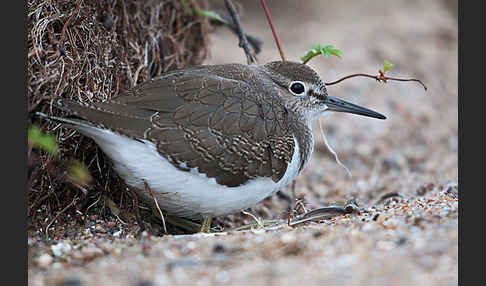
x=185, y=194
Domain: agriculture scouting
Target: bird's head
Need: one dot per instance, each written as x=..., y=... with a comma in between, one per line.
x=303, y=91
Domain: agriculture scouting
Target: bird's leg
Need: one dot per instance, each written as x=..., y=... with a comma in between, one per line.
x=285, y=197
x=293, y=191
x=206, y=224
x=290, y=199
x=294, y=199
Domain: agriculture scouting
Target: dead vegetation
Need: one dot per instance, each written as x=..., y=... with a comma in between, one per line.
x=90, y=51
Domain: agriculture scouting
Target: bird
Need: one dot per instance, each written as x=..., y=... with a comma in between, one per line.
x=210, y=140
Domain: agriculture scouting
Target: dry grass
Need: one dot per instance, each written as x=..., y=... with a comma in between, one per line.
x=90, y=51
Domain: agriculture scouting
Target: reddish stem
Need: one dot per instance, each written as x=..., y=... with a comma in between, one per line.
x=275, y=36
x=63, y=31
x=381, y=77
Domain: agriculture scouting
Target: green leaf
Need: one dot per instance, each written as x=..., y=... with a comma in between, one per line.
x=387, y=65
x=43, y=141
x=212, y=15
x=325, y=51
x=334, y=51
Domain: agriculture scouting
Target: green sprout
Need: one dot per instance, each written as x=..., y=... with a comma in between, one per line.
x=211, y=15
x=206, y=13
x=319, y=49
x=387, y=65
x=43, y=141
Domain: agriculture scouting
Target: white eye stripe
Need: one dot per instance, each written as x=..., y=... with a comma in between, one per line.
x=298, y=88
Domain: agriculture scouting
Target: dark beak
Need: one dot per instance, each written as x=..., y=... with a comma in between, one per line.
x=339, y=105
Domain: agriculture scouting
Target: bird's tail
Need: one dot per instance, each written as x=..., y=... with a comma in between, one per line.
x=72, y=122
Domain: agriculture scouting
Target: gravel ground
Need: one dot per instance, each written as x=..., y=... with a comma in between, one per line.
x=404, y=169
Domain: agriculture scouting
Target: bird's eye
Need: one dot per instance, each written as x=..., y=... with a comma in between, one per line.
x=297, y=88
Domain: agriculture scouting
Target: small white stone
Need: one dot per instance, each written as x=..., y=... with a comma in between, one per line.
x=222, y=276
x=44, y=260
x=257, y=231
x=57, y=265
x=288, y=237
x=117, y=234
x=61, y=248
x=191, y=245
x=161, y=279
x=368, y=227
x=385, y=245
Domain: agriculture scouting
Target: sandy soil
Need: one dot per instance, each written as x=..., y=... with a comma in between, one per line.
x=409, y=238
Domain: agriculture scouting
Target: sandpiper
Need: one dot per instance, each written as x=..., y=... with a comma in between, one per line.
x=211, y=140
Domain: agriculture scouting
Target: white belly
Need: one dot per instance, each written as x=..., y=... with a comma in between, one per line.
x=180, y=193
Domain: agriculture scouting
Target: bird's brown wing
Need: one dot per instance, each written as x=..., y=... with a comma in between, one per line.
x=206, y=122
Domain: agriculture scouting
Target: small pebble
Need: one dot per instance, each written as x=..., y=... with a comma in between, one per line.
x=385, y=245
x=401, y=241
x=375, y=217
x=145, y=283
x=44, y=260
x=99, y=228
x=71, y=281
x=288, y=237
x=222, y=276
x=219, y=248
x=60, y=248
x=91, y=252
x=117, y=234
x=191, y=245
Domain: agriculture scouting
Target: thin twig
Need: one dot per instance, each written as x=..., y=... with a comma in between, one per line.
x=329, y=148
x=147, y=188
x=293, y=191
x=250, y=57
x=37, y=202
x=33, y=53
x=258, y=221
x=263, y=223
x=300, y=202
x=57, y=216
x=254, y=42
x=380, y=77
x=275, y=36
x=324, y=213
x=289, y=216
x=63, y=31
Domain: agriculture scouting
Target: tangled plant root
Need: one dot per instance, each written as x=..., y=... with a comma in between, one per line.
x=90, y=51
